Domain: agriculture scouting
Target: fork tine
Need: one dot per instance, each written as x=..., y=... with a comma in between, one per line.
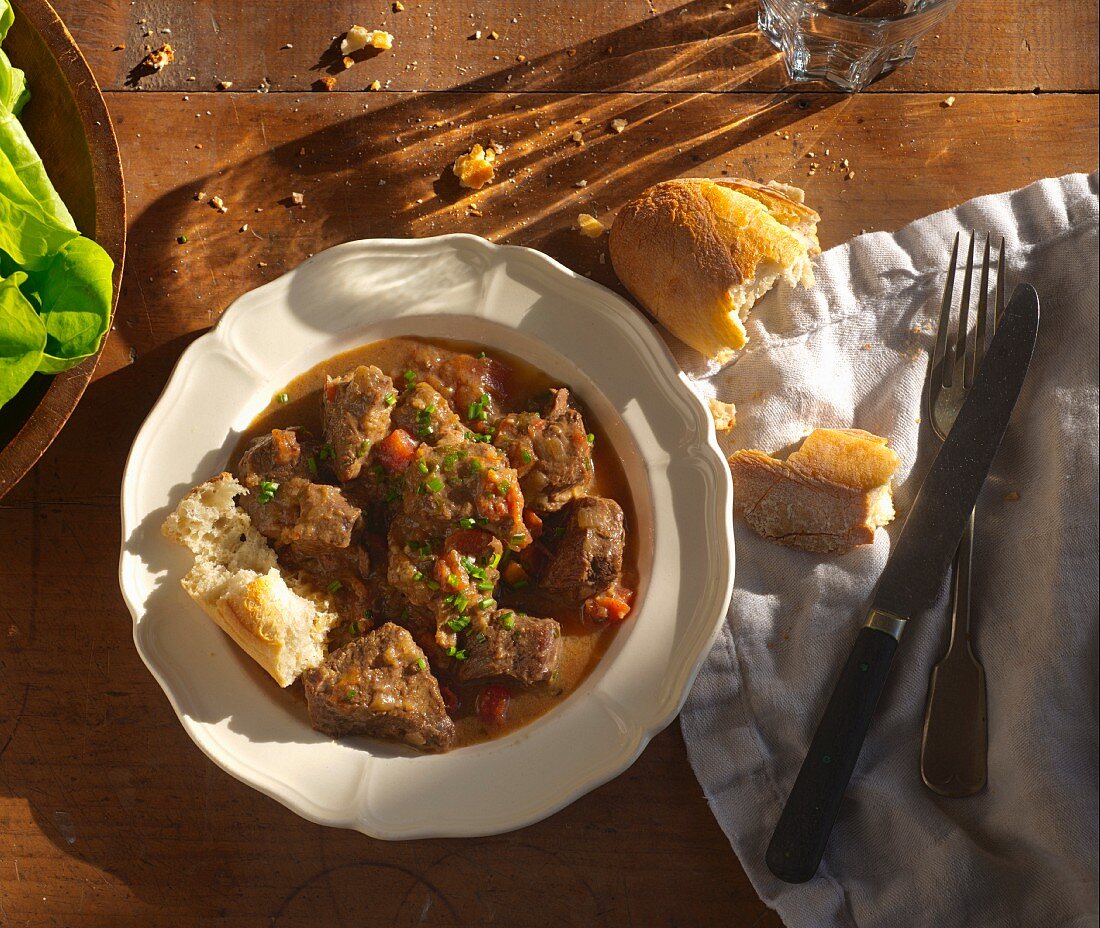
x=939, y=354
x=961, y=339
x=974, y=357
x=1000, y=288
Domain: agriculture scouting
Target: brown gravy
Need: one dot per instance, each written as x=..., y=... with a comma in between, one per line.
x=583, y=643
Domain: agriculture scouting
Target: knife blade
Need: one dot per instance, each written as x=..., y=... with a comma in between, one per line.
x=910, y=583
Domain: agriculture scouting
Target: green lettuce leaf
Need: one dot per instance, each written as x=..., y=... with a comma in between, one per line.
x=55, y=285
x=22, y=337
x=74, y=293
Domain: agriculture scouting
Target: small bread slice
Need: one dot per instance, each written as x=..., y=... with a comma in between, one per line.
x=698, y=253
x=280, y=623
x=828, y=496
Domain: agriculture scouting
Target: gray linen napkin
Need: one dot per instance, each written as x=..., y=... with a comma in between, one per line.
x=853, y=352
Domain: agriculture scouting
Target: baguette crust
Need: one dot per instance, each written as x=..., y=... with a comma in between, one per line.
x=698, y=253
x=280, y=623
x=827, y=497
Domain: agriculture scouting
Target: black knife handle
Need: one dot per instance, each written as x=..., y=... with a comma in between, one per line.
x=802, y=832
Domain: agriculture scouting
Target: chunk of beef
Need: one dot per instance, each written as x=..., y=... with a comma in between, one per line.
x=589, y=556
x=341, y=573
x=472, y=385
x=515, y=646
x=455, y=585
x=314, y=517
x=356, y=410
x=551, y=453
x=426, y=415
x=379, y=685
x=282, y=454
x=462, y=484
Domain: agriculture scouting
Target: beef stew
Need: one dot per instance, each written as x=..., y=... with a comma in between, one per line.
x=468, y=521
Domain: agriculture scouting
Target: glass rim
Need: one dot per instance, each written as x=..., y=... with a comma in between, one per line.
x=810, y=6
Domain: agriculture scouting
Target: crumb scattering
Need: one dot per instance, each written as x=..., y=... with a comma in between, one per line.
x=298, y=199
x=219, y=204
x=224, y=85
x=618, y=126
x=949, y=102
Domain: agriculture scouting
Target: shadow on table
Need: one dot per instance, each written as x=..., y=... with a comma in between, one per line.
x=386, y=172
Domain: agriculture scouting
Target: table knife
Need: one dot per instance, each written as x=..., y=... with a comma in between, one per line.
x=910, y=584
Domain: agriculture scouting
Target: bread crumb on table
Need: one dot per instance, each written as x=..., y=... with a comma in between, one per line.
x=159, y=58
x=475, y=168
x=590, y=226
x=359, y=37
x=618, y=126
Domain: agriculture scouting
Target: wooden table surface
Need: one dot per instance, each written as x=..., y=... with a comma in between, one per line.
x=109, y=815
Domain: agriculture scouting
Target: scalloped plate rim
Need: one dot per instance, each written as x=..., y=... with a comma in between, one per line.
x=659, y=716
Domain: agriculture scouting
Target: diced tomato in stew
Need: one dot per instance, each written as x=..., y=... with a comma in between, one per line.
x=533, y=522
x=492, y=705
x=287, y=449
x=612, y=605
x=396, y=451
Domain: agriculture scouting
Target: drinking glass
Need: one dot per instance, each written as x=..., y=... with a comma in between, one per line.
x=848, y=42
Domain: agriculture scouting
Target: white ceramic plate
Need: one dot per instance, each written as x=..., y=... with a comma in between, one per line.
x=524, y=303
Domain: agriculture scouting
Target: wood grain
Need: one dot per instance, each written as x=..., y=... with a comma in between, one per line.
x=108, y=814
x=635, y=45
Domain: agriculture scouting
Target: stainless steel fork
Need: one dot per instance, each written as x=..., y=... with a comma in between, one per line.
x=953, y=745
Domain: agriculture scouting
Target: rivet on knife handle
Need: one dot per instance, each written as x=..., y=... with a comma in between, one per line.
x=803, y=829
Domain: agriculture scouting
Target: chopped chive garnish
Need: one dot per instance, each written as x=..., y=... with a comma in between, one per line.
x=482, y=355
x=508, y=620
x=495, y=559
x=350, y=693
x=311, y=463
x=591, y=438
x=526, y=456
x=364, y=447
x=486, y=603
x=434, y=484
x=518, y=537
x=457, y=653
x=421, y=663
x=335, y=586
x=417, y=576
x=390, y=399
x=519, y=584
x=354, y=627
x=454, y=581
x=410, y=377
x=267, y=491
x=461, y=602
x=432, y=585
x=466, y=522
x=282, y=398
x=458, y=623
x=485, y=586
x=422, y=467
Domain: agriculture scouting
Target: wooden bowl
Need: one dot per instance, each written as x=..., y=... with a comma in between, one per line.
x=67, y=120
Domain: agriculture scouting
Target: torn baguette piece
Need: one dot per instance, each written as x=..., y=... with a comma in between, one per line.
x=280, y=623
x=697, y=254
x=828, y=496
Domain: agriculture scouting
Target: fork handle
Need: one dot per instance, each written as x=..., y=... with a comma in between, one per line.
x=802, y=832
